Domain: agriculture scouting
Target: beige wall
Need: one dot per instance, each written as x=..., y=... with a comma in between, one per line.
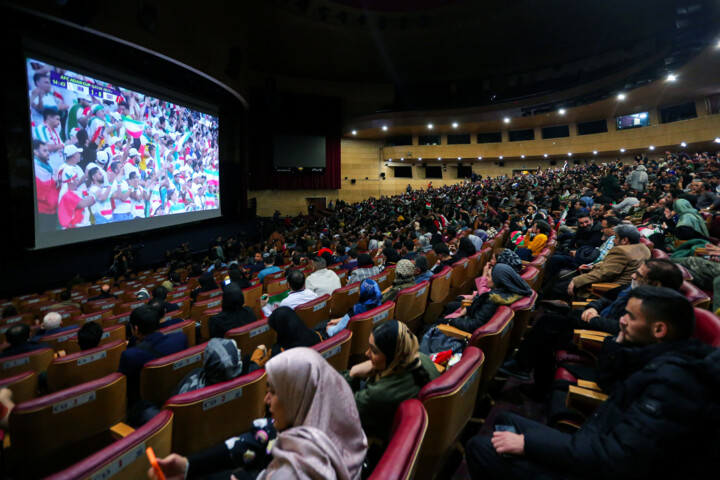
x=363, y=159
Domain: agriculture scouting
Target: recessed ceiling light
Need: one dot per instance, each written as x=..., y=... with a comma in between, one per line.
x=506, y=119
x=402, y=159
x=430, y=126
x=354, y=132
x=420, y=158
x=569, y=154
x=522, y=156
x=717, y=139
x=439, y=158
x=545, y=155
x=390, y=160
x=501, y=157
x=561, y=111
x=621, y=96
x=651, y=147
x=384, y=128
x=683, y=144
x=594, y=152
x=671, y=77
x=455, y=125
x=479, y=158
x=622, y=150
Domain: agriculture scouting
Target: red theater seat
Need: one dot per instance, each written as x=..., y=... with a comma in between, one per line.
x=24, y=386
x=493, y=339
x=336, y=350
x=410, y=304
x=343, y=299
x=658, y=254
x=314, y=311
x=458, y=277
x=249, y=336
x=449, y=401
x=696, y=296
x=439, y=294
x=110, y=334
x=36, y=360
x=362, y=324
x=707, y=327
x=59, y=429
x=208, y=416
x=160, y=377
x=523, y=309
x=406, y=438
x=187, y=327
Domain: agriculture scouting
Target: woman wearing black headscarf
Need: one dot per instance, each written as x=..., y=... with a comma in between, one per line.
x=291, y=331
x=506, y=286
x=234, y=312
x=465, y=249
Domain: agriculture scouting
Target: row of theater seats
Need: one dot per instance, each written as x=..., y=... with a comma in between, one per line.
x=429, y=417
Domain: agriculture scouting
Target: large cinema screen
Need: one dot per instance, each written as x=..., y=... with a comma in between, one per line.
x=109, y=160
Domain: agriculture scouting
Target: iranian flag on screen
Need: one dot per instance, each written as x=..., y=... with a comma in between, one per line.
x=133, y=127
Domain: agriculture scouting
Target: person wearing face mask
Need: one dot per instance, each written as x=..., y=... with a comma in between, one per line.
x=319, y=432
x=555, y=331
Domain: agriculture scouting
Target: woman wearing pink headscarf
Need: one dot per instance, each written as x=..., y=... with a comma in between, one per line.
x=318, y=423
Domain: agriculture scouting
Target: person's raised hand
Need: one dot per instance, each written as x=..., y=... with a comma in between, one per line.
x=508, y=442
x=173, y=467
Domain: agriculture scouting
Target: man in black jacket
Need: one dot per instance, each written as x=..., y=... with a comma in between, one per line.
x=568, y=253
x=660, y=421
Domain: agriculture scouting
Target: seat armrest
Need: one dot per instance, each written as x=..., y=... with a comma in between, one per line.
x=701, y=252
x=579, y=305
x=454, y=332
x=581, y=398
x=599, y=289
x=121, y=430
x=589, y=385
x=589, y=340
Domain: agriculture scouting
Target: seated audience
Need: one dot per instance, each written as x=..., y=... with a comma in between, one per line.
x=160, y=292
x=221, y=362
x=395, y=372
x=89, y=335
x=370, y=297
x=319, y=432
x=207, y=284
x=291, y=332
x=270, y=268
x=51, y=324
x=421, y=269
x=104, y=294
x=534, y=241
x=18, y=336
x=298, y=295
x=322, y=281
x=234, y=312
x=366, y=269
x=404, y=278
x=656, y=422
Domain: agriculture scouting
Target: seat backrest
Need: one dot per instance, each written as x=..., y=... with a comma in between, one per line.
x=187, y=327
x=343, y=276
x=183, y=305
x=459, y=270
x=125, y=458
x=493, y=339
x=199, y=307
x=252, y=294
x=88, y=317
x=24, y=386
x=449, y=401
x=180, y=291
x=208, y=295
x=112, y=320
x=273, y=276
x=53, y=427
x=410, y=304
x=314, y=311
x=473, y=266
x=208, y=416
x=522, y=309
x=160, y=377
x=431, y=258
x=382, y=279
x=100, y=305
x=406, y=439
x=440, y=285
x=128, y=307
x=273, y=287
x=249, y=336
x=70, y=370
x=362, y=324
x=343, y=299
x=707, y=327
x=36, y=360
x=336, y=349
x=110, y=334
x=659, y=254
x=531, y=275
x=697, y=297
x=56, y=341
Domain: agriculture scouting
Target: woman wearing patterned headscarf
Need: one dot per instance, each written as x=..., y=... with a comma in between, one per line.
x=404, y=278
x=395, y=372
x=222, y=362
x=319, y=430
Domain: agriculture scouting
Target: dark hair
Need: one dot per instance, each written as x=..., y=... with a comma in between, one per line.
x=421, y=262
x=660, y=304
x=89, y=335
x=146, y=319
x=353, y=253
x=18, y=334
x=50, y=112
x=160, y=292
x=38, y=76
x=441, y=249
x=664, y=271
x=627, y=231
x=365, y=260
x=174, y=277
x=543, y=226
x=612, y=221
x=296, y=279
x=65, y=295
x=36, y=144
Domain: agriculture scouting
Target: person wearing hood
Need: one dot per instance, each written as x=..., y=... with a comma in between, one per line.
x=506, y=287
x=221, y=362
x=660, y=420
x=404, y=278
x=234, y=312
x=638, y=179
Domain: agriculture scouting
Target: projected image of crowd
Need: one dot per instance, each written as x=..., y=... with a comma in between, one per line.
x=106, y=154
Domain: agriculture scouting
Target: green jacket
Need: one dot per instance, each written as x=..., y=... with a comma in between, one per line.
x=378, y=401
